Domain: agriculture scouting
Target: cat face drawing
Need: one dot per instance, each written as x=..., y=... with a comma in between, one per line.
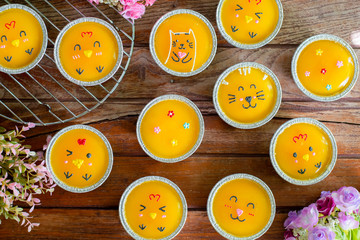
x=182, y=49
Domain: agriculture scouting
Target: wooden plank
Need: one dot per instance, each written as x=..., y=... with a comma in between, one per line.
x=302, y=18
x=219, y=138
x=144, y=79
x=196, y=177
x=105, y=224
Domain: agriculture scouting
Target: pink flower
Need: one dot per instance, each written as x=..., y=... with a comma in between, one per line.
x=339, y=64
x=134, y=11
x=347, y=222
x=149, y=2
x=288, y=222
x=325, y=205
x=128, y=2
x=93, y=1
x=321, y=233
x=157, y=130
x=307, y=218
x=347, y=199
x=307, y=73
x=288, y=235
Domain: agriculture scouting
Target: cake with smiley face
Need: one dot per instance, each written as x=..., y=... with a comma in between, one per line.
x=241, y=206
x=183, y=42
x=23, y=38
x=153, y=208
x=249, y=24
x=79, y=158
x=303, y=151
x=247, y=95
x=88, y=51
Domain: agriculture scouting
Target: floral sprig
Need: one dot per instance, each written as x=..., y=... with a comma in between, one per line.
x=335, y=216
x=23, y=176
x=129, y=9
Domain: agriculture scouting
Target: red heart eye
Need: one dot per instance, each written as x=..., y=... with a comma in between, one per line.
x=81, y=141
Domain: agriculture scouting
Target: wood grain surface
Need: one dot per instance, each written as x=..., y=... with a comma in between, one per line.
x=224, y=150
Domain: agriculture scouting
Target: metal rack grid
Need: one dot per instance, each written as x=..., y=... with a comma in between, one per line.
x=30, y=97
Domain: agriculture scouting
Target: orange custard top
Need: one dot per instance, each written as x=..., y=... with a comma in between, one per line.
x=21, y=38
x=247, y=95
x=183, y=42
x=88, y=51
x=241, y=207
x=170, y=129
x=249, y=21
x=79, y=158
x=325, y=68
x=153, y=210
x=303, y=151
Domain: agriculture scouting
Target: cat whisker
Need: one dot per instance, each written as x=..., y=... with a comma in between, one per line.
x=260, y=91
x=261, y=98
x=262, y=95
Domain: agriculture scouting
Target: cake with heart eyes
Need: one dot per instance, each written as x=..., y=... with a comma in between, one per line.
x=79, y=158
x=153, y=208
x=23, y=38
x=183, y=42
x=249, y=24
x=88, y=51
x=241, y=206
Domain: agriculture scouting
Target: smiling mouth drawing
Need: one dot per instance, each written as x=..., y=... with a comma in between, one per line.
x=250, y=106
x=237, y=218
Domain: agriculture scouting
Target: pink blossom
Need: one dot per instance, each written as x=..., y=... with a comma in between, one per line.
x=321, y=233
x=149, y=2
x=347, y=222
x=128, y=2
x=307, y=218
x=134, y=11
x=347, y=199
x=93, y=1
x=292, y=215
x=325, y=205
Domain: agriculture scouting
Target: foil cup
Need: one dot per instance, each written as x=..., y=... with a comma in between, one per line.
x=43, y=44
x=211, y=200
x=57, y=51
x=61, y=183
x=152, y=43
x=243, y=125
x=284, y=175
x=137, y=183
x=296, y=58
x=164, y=98
x=249, y=46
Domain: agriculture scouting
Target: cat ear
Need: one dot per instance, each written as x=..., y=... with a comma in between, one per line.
x=191, y=32
x=171, y=32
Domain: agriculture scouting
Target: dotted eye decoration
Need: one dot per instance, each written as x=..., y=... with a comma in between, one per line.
x=295, y=154
x=310, y=149
x=88, y=155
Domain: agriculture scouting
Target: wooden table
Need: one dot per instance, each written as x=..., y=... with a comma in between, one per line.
x=224, y=150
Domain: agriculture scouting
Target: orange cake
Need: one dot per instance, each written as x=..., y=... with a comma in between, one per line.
x=241, y=206
x=249, y=24
x=23, y=38
x=153, y=208
x=247, y=95
x=80, y=158
x=325, y=68
x=183, y=42
x=88, y=51
x=170, y=128
x=303, y=150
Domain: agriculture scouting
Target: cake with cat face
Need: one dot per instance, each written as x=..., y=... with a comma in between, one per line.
x=183, y=42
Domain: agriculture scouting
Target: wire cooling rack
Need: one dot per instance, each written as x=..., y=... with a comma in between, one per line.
x=42, y=95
